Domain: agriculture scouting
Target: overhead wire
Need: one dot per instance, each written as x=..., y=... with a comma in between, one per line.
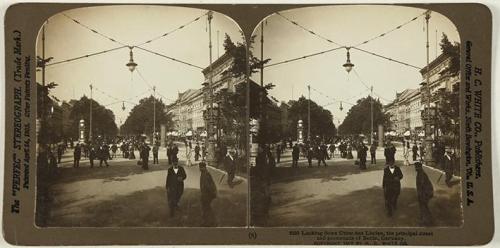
x=303, y=57
x=84, y=56
x=391, y=30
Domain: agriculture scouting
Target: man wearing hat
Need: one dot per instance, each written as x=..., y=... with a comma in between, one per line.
x=208, y=194
x=391, y=184
x=175, y=186
x=425, y=191
x=447, y=163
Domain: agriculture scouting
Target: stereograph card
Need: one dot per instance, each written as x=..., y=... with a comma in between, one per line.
x=304, y=124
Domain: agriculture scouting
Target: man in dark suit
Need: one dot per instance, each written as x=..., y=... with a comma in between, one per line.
x=389, y=153
x=230, y=167
x=155, y=153
x=373, y=152
x=145, y=156
x=175, y=151
x=391, y=184
x=362, y=153
x=414, y=150
x=322, y=154
x=169, y=154
x=425, y=191
x=447, y=164
x=208, y=194
x=295, y=155
x=175, y=186
x=77, y=153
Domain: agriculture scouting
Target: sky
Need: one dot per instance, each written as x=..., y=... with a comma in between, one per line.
x=348, y=26
x=64, y=39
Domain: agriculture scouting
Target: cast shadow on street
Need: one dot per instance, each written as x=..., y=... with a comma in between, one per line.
x=130, y=211
x=364, y=208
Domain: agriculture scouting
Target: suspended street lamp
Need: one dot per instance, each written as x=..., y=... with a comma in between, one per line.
x=348, y=65
x=131, y=64
x=341, y=108
x=123, y=106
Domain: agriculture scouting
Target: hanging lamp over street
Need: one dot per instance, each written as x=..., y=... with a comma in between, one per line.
x=123, y=106
x=341, y=108
x=348, y=65
x=131, y=64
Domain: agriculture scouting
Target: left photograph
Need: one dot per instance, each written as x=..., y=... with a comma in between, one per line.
x=141, y=114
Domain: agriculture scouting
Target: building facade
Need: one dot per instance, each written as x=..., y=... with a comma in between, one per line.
x=405, y=111
x=187, y=110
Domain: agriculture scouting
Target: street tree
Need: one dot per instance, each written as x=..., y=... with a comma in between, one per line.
x=321, y=119
x=103, y=119
x=451, y=50
x=358, y=119
x=140, y=119
x=51, y=113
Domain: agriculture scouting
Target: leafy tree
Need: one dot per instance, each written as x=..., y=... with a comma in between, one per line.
x=239, y=52
x=51, y=131
x=321, y=119
x=358, y=119
x=453, y=51
x=103, y=119
x=140, y=119
x=448, y=114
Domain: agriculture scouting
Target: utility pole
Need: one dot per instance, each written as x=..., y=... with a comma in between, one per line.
x=90, y=119
x=428, y=122
x=42, y=102
x=210, y=123
x=371, y=113
x=309, y=114
x=154, y=114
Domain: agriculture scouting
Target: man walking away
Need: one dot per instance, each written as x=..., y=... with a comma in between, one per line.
x=77, y=153
x=278, y=153
x=196, y=152
x=230, y=167
x=391, y=184
x=92, y=155
x=60, y=150
x=295, y=155
x=362, y=156
x=169, y=154
x=103, y=155
x=447, y=164
x=114, y=148
x=145, y=156
x=425, y=192
x=175, y=151
x=208, y=194
x=373, y=152
x=310, y=155
x=322, y=155
x=155, y=154
x=414, y=150
x=175, y=186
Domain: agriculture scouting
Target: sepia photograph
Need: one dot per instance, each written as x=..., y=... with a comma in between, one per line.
x=355, y=118
x=141, y=119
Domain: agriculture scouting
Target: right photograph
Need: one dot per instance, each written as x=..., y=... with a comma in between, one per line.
x=354, y=118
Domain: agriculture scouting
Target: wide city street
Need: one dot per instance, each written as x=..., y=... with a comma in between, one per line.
x=343, y=195
x=124, y=194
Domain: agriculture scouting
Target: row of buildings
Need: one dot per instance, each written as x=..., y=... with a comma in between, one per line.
x=405, y=111
x=187, y=110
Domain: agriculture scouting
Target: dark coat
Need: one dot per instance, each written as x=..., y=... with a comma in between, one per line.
x=392, y=181
x=207, y=186
x=362, y=153
x=295, y=152
x=175, y=183
x=425, y=190
x=229, y=164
